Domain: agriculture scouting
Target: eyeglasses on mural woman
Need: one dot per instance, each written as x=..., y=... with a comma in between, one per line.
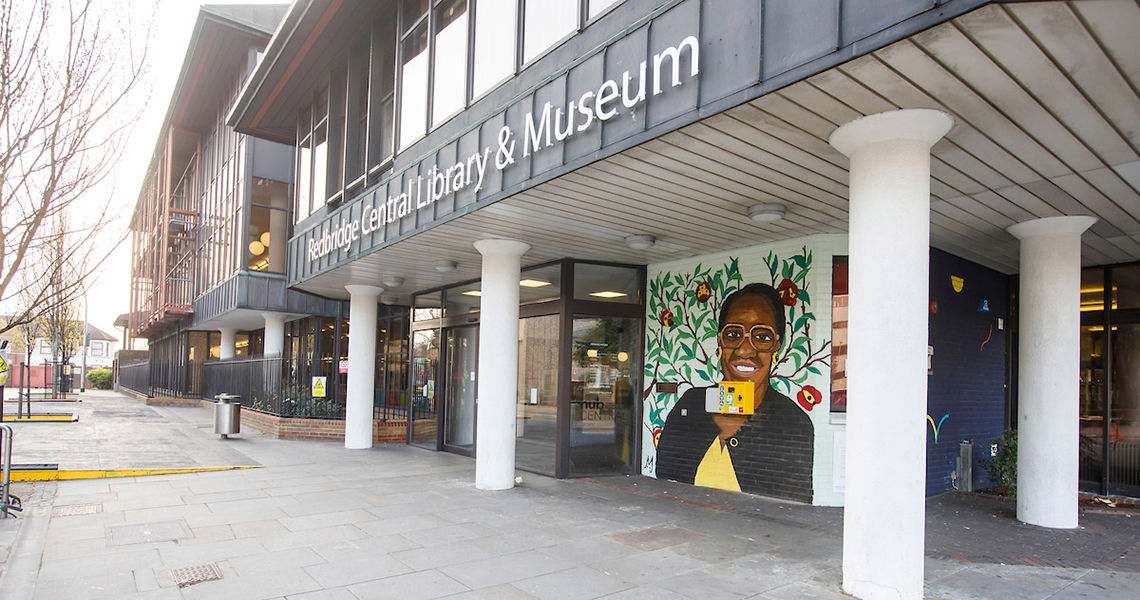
x=769, y=452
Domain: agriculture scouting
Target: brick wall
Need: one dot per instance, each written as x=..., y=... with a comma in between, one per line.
x=967, y=386
x=319, y=429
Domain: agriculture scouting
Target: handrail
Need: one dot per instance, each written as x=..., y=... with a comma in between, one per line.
x=6, y=503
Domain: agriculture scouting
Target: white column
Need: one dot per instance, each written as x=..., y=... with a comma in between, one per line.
x=361, y=366
x=889, y=248
x=274, y=334
x=498, y=363
x=229, y=342
x=1048, y=380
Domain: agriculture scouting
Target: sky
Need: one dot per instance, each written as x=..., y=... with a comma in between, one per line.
x=109, y=294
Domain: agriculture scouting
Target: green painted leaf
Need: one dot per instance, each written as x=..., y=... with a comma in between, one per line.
x=813, y=369
x=799, y=260
x=799, y=276
x=804, y=297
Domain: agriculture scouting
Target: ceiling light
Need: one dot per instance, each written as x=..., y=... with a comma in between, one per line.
x=264, y=239
x=640, y=242
x=608, y=294
x=767, y=213
x=533, y=283
x=392, y=281
x=475, y=293
x=445, y=266
x=592, y=353
x=389, y=299
x=256, y=248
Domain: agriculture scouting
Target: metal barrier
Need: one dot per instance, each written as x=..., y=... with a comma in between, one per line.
x=6, y=499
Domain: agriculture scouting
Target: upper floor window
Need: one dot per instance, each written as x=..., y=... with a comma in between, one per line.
x=547, y=22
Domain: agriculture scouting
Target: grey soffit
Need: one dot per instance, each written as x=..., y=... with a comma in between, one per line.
x=1047, y=122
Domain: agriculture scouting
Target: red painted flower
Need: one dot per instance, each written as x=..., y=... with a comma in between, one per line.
x=809, y=397
x=788, y=291
x=704, y=292
x=656, y=436
x=667, y=318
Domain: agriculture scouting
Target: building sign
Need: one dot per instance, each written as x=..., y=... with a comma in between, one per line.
x=343, y=366
x=541, y=130
x=319, y=385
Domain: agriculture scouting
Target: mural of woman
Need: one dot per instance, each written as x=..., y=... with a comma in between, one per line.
x=769, y=452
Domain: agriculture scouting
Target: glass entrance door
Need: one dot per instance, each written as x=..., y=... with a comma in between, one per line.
x=604, y=374
x=459, y=394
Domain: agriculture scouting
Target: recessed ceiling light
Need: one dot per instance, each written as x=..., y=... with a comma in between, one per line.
x=608, y=294
x=475, y=293
x=533, y=283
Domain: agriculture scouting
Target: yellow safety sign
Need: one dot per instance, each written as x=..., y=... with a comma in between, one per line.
x=319, y=387
x=3, y=368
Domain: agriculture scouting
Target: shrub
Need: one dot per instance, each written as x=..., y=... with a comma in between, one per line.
x=1002, y=468
x=99, y=379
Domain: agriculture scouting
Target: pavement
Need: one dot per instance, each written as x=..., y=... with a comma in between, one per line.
x=317, y=521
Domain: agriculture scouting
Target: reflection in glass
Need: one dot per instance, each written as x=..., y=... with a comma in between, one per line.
x=462, y=300
x=459, y=422
x=427, y=307
x=304, y=178
x=425, y=360
x=1126, y=287
x=320, y=167
x=597, y=6
x=494, y=51
x=536, y=427
x=547, y=22
x=449, y=78
x=606, y=283
x=604, y=374
x=414, y=87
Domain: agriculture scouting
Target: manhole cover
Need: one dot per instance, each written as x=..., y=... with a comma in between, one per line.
x=187, y=576
x=149, y=532
x=71, y=511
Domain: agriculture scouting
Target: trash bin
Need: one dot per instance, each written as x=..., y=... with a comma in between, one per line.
x=227, y=415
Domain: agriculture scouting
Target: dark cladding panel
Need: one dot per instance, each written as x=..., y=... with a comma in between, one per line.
x=862, y=18
x=797, y=31
x=518, y=171
x=543, y=157
x=271, y=160
x=489, y=138
x=584, y=78
x=730, y=48
x=445, y=159
x=623, y=56
x=468, y=147
x=668, y=31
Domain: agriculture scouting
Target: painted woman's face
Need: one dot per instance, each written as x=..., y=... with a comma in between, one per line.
x=748, y=340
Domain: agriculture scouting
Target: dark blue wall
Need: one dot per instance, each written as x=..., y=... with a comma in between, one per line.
x=968, y=382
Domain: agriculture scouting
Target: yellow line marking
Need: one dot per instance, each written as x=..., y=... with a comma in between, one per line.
x=62, y=418
x=62, y=475
x=43, y=399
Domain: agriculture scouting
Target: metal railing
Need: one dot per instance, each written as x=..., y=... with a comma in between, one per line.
x=263, y=384
x=135, y=377
x=6, y=499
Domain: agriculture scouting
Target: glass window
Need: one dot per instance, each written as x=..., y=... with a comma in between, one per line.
x=414, y=86
x=381, y=89
x=494, y=46
x=606, y=283
x=425, y=361
x=604, y=379
x=547, y=22
x=1126, y=287
x=536, y=425
x=599, y=6
x=1092, y=290
x=427, y=307
x=543, y=284
x=449, y=76
x=462, y=300
x=839, y=334
x=320, y=167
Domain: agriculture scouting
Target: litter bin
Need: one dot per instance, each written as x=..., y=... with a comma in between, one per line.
x=227, y=415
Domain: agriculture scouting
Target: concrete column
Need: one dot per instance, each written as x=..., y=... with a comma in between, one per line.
x=361, y=366
x=229, y=342
x=1048, y=380
x=889, y=248
x=498, y=364
x=274, y=334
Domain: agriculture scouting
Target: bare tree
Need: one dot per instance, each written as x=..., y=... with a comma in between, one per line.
x=68, y=73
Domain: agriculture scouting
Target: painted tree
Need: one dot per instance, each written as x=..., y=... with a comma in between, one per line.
x=69, y=74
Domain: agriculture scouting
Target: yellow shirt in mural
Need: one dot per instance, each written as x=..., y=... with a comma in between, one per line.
x=716, y=469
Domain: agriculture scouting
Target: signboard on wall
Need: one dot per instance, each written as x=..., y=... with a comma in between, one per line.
x=3, y=368
x=319, y=386
x=343, y=366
